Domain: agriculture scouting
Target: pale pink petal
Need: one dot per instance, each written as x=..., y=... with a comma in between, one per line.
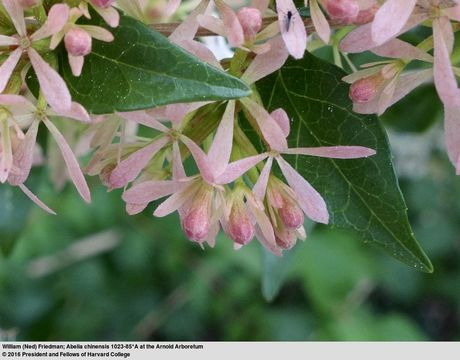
x=110, y=15
x=134, y=209
x=16, y=13
x=268, y=62
x=453, y=13
x=261, y=5
x=282, y=119
x=128, y=169
x=98, y=32
x=320, y=22
x=177, y=200
x=399, y=49
x=57, y=19
x=23, y=156
x=386, y=96
x=444, y=77
x=76, y=64
x=17, y=104
x=8, y=40
x=171, y=7
x=141, y=117
x=390, y=19
x=212, y=24
x=452, y=134
x=76, y=112
x=361, y=74
x=221, y=147
x=201, y=51
x=52, y=85
x=149, y=191
x=7, y=68
x=73, y=167
x=188, y=28
x=175, y=112
x=233, y=30
x=271, y=131
x=264, y=229
x=308, y=198
x=211, y=238
x=260, y=187
x=237, y=168
x=293, y=30
x=35, y=199
x=334, y=152
x=201, y=159
x=56, y=39
x=178, y=166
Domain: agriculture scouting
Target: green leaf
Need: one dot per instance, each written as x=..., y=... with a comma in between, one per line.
x=362, y=195
x=141, y=69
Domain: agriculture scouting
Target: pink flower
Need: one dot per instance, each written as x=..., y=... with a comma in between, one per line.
x=78, y=40
x=292, y=28
x=22, y=159
x=51, y=84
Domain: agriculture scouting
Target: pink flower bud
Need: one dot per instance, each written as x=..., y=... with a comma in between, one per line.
x=29, y=3
x=240, y=227
x=291, y=215
x=197, y=222
x=78, y=42
x=285, y=238
x=346, y=10
x=251, y=21
x=103, y=3
x=365, y=90
x=366, y=16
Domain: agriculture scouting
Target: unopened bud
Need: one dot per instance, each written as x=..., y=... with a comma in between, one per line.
x=365, y=90
x=285, y=239
x=103, y=3
x=291, y=215
x=29, y=3
x=346, y=10
x=78, y=42
x=240, y=227
x=366, y=16
x=251, y=21
x=197, y=222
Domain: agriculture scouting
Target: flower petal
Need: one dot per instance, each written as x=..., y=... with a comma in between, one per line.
x=176, y=200
x=188, y=28
x=16, y=13
x=7, y=68
x=128, y=169
x=23, y=156
x=76, y=112
x=320, y=22
x=282, y=119
x=141, y=117
x=260, y=187
x=292, y=28
x=35, y=199
x=221, y=147
x=201, y=159
x=452, y=134
x=98, y=32
x=73, y=167
x=334, y=152
x=399, y=49
x=311, y=202
x=110, y=15
x=149, y=191
x=57, y=19
x=237, y=168
x=268, y=62
x=52, y=85
x=76, y=64
x=390, y=19
x=271, y=131
x=233, y=30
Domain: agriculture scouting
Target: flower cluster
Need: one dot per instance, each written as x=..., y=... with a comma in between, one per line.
x=196, y=158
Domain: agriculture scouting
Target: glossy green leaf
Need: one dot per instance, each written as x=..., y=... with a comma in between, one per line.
x=362, y=195
x=141, y=69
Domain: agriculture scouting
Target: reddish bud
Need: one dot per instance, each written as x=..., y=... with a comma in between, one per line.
x=240, y=227
x=30, y=3
x=103, y=3
x=291, y=215
x=365, y=90
x=251, y=21
x=197, y=222
x=78, y=42
x=285, y=239
x=346, y=10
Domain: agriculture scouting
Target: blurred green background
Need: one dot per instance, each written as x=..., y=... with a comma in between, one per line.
x=93, y=273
